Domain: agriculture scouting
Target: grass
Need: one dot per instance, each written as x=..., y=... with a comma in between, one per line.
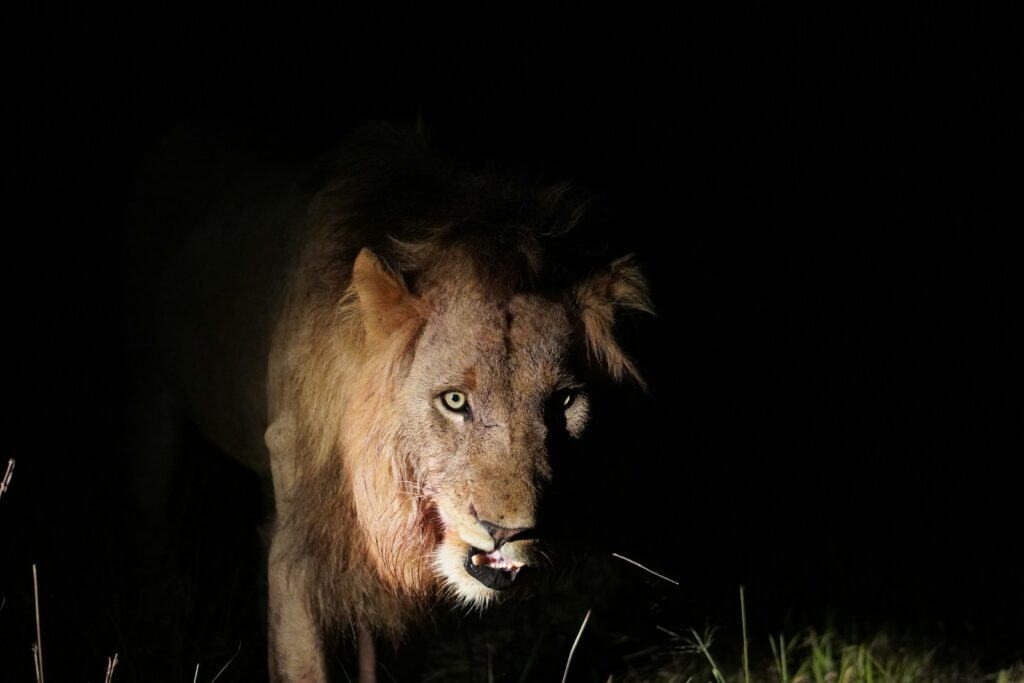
x=490, y=653
x=812, y=658
x=539, y=639
x=575, y=644
x=496, y=643
x=5, y=481
x=820, y=658
x=37, y=648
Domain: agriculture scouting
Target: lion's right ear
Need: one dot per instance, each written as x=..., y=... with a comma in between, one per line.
x=385, y=303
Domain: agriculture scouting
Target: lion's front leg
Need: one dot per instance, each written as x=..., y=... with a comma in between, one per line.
x=295, y=640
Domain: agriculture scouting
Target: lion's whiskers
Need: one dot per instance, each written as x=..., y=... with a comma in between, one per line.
x=416, y=490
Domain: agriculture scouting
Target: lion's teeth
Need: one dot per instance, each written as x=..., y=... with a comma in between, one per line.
x=495, y=560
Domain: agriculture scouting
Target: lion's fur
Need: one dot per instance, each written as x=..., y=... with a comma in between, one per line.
x=401, y=260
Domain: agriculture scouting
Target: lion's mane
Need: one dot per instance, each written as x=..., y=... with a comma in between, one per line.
x=360, y=520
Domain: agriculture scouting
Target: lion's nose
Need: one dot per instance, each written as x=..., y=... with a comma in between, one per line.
x=502, y=534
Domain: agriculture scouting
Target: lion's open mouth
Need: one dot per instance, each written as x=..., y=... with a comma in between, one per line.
x=492, y=569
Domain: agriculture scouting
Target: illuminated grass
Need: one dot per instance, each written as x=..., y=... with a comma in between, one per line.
x=820, y=658
x=694, y=656
x=813, y=658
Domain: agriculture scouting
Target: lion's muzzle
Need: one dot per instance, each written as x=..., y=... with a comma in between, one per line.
x=498, y=568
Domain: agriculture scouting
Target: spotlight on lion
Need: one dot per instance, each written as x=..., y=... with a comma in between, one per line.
x=408, y=352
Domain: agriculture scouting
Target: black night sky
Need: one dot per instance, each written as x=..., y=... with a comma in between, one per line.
x=832, y=419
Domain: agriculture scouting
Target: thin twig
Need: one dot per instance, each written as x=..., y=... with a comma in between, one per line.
x=213, y=680
x=572, y=651
x=660, y=576
x=196, y=676
x=525, y=675
x=39, y=633
x=6, y=481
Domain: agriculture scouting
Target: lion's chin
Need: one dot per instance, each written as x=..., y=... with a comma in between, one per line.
x=450, y=565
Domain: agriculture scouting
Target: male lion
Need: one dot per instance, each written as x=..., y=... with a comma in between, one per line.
x=403, y=344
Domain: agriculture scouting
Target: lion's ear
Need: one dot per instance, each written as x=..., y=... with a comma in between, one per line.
x=620, y=287
x=385, y=303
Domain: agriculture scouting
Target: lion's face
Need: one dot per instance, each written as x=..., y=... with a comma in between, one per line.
x=470, y=390
x=488, y=381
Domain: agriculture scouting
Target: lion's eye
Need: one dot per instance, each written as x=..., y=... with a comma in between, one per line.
x=565, y=398
x=454, y=400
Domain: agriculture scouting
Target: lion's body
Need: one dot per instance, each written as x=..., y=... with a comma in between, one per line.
x=388, y=341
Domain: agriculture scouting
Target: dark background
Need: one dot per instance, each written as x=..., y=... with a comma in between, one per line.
x=832, y=419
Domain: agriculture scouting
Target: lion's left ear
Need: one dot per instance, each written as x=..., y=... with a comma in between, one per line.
x=621, y=287
x=385, y=303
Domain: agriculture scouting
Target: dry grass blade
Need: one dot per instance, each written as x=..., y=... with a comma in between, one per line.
x=111, y=665
x=6, y=481
x=746, y=656
x=37, y=650
x=660, y=576
x=572, y=650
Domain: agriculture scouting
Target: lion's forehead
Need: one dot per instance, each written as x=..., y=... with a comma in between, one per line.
x=536, y=323
x=514, y=343
x=538, y=336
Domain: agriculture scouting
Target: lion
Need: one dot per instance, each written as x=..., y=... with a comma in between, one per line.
x=399, y=345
